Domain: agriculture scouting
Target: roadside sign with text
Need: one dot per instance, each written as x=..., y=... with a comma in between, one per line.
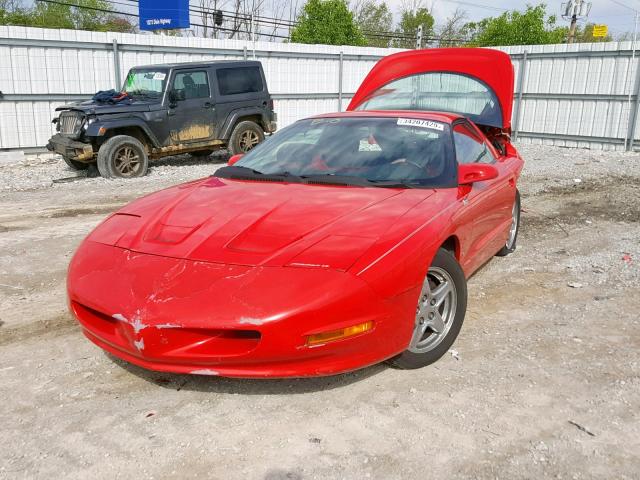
x=600, y=31
x=163, y=14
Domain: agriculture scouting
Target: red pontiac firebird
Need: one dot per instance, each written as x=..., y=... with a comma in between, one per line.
x=342, y=241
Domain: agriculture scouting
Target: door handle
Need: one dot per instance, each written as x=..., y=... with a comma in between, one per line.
x=207, y=105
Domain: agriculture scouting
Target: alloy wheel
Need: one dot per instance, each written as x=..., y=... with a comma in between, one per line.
x=435, y=312
x=127, y=162
x=248, y=140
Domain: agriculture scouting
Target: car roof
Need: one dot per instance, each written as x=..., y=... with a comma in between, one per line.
x=220, y=63
x=444, y=117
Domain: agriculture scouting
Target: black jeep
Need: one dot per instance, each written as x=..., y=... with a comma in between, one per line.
x=167, y=110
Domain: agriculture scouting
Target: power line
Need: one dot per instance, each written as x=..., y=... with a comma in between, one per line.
x=247, y=18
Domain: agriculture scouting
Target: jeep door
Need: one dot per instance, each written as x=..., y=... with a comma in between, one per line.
x=191, y=111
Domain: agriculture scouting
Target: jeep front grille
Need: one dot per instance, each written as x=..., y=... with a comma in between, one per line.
x=70, y=123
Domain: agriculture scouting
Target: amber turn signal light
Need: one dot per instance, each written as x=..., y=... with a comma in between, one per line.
x=333, y=335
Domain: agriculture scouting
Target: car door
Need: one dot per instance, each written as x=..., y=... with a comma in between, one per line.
x=487, y=203
x=191, y=109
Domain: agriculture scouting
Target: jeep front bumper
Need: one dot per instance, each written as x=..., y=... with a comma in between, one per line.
x=72, y=149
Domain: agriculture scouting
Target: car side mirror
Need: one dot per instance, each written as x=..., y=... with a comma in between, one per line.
x=175, y=96
x=470, y=173
x=234, y=159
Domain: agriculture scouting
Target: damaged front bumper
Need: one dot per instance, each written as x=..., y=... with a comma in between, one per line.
x=186, y=316
x=71, y=149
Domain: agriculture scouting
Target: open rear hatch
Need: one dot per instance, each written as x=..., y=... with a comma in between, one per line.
x=474, y=82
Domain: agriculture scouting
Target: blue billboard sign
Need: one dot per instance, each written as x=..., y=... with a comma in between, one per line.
x=163, y=14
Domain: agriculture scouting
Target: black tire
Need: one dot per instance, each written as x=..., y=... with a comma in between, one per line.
x=510, y=246
x=202, y=154
x=122, y=156
x=245, y=136
x=74, y=164
x=430, y=348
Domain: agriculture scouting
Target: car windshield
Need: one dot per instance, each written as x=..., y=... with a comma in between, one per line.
x=145, y=83
x=380, y=151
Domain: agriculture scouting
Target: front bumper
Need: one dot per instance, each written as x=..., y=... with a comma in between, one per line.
x=72, y=149
x=182, y=316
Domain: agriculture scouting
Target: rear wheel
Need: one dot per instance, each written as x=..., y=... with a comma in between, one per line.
x=510, y=246
x=439, y=314
x=122, y=156
x=245, y=137
x=74, y=164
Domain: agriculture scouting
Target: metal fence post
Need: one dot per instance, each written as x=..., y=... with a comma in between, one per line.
x=518, y=108
x=633, y=114
x=244, y=53
x=340, y=67
x=116, y=65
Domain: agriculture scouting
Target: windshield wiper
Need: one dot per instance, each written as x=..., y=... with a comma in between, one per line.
x=332, y=179
x=238, y=172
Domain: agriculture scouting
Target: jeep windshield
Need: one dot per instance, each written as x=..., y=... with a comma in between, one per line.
x=145, y=83
x=391, y=152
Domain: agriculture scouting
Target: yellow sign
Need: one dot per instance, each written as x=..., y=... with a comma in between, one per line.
x=600, y=31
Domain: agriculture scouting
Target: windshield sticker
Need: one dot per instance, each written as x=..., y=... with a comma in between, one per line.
x=413, y=122
x=160, y=76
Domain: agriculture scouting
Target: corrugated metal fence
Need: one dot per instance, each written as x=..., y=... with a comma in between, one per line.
x=582, y=95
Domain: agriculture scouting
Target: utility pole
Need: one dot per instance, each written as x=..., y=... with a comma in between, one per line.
x=419, y=38
x=573, y=11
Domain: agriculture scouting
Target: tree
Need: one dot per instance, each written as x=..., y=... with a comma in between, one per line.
x=373, y=19
x=327, y=22
x=407, y=30
x=531, y=27
x=86, y=15
x=454, y=31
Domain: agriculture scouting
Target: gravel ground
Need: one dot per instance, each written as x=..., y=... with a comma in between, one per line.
x=546, y=383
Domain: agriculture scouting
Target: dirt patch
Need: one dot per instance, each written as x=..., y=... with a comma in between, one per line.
x=76, y=212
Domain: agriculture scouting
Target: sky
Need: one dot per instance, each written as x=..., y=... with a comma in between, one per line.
x=610, y=12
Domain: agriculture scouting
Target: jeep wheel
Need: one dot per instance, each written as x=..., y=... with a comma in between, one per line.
x=122, y=156
x=74, y=164
x=245, y=136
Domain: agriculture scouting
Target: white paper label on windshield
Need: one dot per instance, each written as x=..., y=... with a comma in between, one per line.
x=160, y=76
x=414, y=122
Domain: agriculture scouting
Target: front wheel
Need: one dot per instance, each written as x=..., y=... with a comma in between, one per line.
x=245, y=137
x=439, y=314
x=122, y=156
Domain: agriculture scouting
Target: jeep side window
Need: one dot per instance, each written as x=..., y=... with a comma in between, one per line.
x=189, y=85
x=234, y=81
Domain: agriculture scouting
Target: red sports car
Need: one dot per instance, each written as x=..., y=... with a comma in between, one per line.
x=342, y=241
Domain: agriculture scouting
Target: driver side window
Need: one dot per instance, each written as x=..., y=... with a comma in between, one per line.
x=191, y=85
x=469, y=147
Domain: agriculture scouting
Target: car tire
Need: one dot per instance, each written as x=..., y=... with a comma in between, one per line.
x=74, y=164
x=510, y=246
x=201, y=155
x=244, y=137
x=442, y=305
x=122, y=156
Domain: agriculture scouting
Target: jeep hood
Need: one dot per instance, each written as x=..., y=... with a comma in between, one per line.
x=252, y=223
x=90, y=107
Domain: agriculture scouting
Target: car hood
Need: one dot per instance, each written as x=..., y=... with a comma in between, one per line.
x=259, y=223
x=90, y=107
